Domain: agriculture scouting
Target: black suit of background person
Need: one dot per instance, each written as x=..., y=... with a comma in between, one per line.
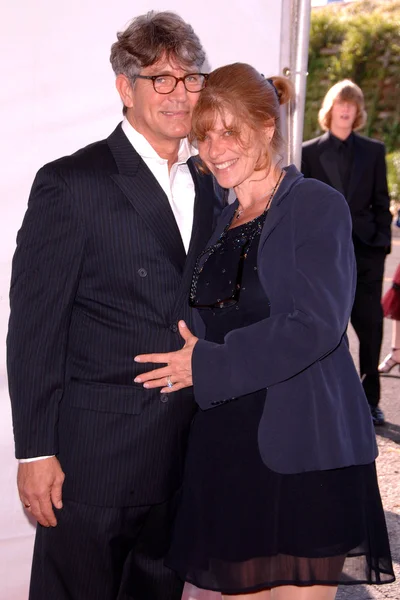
x=100, y=274
x=355, y=166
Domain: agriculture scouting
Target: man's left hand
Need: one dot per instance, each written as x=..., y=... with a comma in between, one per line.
x=178, y=372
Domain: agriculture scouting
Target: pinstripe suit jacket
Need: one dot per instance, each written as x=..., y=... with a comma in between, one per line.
x=100, y=274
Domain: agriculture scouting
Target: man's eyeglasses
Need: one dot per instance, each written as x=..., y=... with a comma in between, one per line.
x=165, y=84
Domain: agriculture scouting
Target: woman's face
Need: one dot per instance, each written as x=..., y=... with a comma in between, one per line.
x=230, y=162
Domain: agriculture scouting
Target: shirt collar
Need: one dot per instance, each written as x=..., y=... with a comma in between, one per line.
x=146, y=150
x=337, y=142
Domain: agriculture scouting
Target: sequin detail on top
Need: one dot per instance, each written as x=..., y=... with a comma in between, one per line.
x=240, y=240
x=245, y=239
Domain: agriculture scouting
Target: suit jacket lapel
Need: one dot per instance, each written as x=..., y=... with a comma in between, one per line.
x=206, y=201
x=143, y=191
x=207, y=204
x=328, y=160
x=357, y=168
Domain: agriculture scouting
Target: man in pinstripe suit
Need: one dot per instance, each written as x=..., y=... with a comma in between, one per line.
x=101, y=273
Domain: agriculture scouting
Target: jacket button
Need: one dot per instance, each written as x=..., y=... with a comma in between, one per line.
x=142, y=272
x=173, y=327
x=164, y=398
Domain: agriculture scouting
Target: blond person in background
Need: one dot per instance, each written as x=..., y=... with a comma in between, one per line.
x=355, y=166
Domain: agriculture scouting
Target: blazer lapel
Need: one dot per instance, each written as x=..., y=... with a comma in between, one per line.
x=278, y=207
x=206, y=202
x=143, y=191
x=209, y=202
x=328, y=160
x=357, y=168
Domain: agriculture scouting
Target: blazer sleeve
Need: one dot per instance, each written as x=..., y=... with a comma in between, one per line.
x=45, y=274
x=381, y=201
x=279, y=347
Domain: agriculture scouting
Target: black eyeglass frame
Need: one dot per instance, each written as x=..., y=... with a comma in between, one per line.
x=177, y=80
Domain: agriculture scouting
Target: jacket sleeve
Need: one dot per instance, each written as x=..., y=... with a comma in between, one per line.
x=276, y=349
x=45, y=275
x=381, y=201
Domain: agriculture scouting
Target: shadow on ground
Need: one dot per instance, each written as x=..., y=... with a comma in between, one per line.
x=390, y=431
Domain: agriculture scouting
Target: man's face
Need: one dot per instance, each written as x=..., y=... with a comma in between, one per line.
x=162, y=118
x=343, y=115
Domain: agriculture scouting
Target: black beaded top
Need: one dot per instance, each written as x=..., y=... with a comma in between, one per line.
x=228, y=292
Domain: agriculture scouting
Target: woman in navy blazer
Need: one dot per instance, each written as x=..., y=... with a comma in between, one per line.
x=280, y=498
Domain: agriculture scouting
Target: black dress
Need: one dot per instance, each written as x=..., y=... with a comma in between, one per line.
x=242, y=527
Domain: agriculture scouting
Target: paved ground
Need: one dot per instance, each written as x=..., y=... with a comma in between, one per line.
x=388, y=465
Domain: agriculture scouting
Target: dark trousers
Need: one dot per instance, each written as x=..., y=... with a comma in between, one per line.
x=97, y=553
x=367, y=315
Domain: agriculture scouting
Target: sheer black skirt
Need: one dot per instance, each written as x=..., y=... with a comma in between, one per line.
x=242, y=527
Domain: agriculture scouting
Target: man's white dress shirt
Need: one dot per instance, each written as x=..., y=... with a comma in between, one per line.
x=177, y=184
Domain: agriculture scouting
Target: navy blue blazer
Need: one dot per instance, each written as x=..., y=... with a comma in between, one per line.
x=316, y=416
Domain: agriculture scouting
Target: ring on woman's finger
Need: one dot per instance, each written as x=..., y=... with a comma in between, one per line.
x=26, y=505
x=169, y=382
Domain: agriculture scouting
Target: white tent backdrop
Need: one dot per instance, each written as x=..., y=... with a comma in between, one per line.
x=57, y=95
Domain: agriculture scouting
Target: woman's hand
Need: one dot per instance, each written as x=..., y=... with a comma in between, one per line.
x=178, y=372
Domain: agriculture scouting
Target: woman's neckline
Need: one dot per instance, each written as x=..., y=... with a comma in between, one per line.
x=240, y=225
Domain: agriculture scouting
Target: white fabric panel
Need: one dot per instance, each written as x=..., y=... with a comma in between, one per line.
x=57, y=95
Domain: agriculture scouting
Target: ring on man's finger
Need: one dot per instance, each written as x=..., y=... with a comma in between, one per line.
x=169, y=382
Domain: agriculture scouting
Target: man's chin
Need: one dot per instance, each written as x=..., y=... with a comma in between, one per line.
x=179, y=134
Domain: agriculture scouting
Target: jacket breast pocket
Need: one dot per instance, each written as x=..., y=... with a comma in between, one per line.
x=105, y=397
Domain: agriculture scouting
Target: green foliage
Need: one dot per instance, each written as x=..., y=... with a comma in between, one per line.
x=325, y=31
x=360, y=41
x=370, y=42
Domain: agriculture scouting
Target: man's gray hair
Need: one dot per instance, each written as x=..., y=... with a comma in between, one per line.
x=151, y=36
